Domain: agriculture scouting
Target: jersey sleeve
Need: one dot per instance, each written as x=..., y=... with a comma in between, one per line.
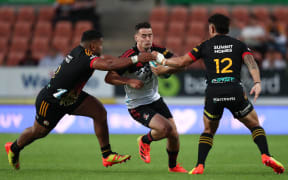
x=245, y=50
x=91, y=61
x=195, y=53
x=128, y=53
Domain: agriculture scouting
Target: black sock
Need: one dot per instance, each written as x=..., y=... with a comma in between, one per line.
x=147, y=139
x=106, y=151
x=205, y=144
x=172, y=158
x=259, y=137
x=15, y=148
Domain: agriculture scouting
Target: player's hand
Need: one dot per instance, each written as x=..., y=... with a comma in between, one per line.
x=145, y=57
x=159, y=70
x=256, y=89
x=135, y=83
x=159, y=57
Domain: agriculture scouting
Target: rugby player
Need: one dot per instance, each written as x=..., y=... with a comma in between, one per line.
x=223, y=57
x=144, y=103
x=64, y=95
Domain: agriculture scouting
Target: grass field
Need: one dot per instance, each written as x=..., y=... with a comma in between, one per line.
x=78, y=157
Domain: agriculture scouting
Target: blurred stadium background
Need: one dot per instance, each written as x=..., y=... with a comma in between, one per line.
x=31, y=30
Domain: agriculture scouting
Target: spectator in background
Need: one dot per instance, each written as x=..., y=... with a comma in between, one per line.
x=53, y=59
x=273, y=60
x=85, y=10
x=77, y=10
x=28, y=59
x=254, y=36
x=277, y=39
x=63, y=10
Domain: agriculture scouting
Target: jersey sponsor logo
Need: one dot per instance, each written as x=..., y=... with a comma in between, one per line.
x=146, y=116
x=222, y=48
x=246, y=110
x=224, y=99
x=59, y=93
x=222, y=80
x=88, y=52
x=165, y=52
x=68, y=58
x=46, y=123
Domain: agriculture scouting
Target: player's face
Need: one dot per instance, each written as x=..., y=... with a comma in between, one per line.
x=144, y=38
x=97, y=47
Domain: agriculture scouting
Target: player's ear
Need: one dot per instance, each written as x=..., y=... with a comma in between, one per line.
x=136, y=37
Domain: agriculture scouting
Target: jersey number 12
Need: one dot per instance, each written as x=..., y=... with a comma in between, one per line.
x=226, y=68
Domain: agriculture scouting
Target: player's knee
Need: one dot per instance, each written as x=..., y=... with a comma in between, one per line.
x=166, y=130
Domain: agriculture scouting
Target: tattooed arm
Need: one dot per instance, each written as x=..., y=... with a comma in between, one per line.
x=254, y=71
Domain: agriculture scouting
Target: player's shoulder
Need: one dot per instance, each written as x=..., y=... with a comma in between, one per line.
x=130, y=52
x=156, y=47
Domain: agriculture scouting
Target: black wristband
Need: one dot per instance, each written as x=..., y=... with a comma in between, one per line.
x=256, y=82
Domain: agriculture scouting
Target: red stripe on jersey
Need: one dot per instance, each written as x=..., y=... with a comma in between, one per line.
x=92, y=61
x=127, y=52
x=192, y=56
x=245, y=53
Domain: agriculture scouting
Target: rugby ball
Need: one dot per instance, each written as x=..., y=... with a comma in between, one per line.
x=154, y=64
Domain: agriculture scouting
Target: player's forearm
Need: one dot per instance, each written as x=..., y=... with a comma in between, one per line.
x=119, y=63
x=115, y=79
x=253, y=68
x=176, y=62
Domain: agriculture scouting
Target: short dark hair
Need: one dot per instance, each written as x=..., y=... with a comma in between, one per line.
x=91, y=35
x=142, y=25
x=221, y=23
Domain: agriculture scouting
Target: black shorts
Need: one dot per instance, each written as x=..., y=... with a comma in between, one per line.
x=145, y=113
x=49, y=111
x=230, y=96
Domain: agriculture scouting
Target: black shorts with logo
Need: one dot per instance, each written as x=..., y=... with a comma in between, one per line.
x=230, y=96
x=49, y=111
x=145, y=113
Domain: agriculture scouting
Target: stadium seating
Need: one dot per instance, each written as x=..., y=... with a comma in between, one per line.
x=63, y=29
x=261, y=13
x=198, y=14
x=39, y=47
x=22, y=29
x=61, y=43
x=240, y=14
x=174, y=44
x=5, y=29
x=43, y=29
x=26, y=14
x=14, y=57
x=196, y=29
x=178, y=14
x=159, y=13
x=46, y=14
x=7, y=14
x=19, y=44
x=220, y=10
x=2, y=57
x=176, y=29
x=82, y=26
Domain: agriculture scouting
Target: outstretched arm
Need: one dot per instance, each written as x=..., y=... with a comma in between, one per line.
x=108, y=63
x=112, y=77
x=254, y=71
x=177, y=62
